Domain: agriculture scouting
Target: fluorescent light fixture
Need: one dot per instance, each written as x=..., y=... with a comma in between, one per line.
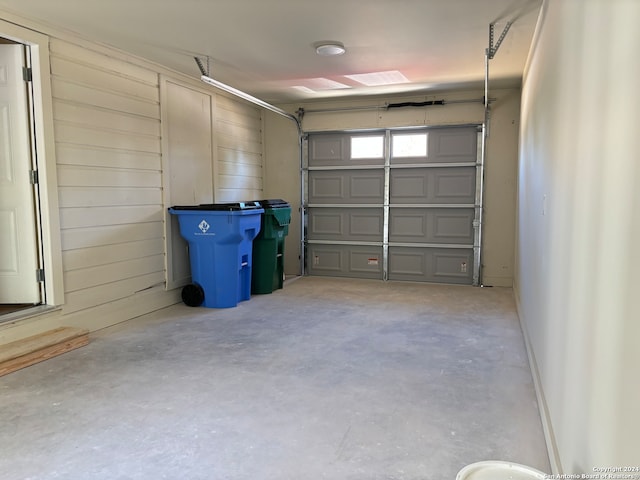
x=330, y=49
x=376, y=79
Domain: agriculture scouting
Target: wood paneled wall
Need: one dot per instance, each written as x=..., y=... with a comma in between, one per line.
x=239, y=151
x=108, y=142
x=107, y=133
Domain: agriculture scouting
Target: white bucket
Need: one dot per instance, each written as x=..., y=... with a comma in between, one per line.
x=496, y=470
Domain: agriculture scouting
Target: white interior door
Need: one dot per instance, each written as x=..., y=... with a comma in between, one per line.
x=18, y=244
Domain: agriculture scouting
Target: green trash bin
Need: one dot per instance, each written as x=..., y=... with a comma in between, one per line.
x=268, y=247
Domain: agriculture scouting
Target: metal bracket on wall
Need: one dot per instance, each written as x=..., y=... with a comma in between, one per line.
x=203, y=71
x=489, y=53
x=493, y=49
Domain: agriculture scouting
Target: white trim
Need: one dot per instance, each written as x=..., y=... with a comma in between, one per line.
x=170, y=282
x=166, y=186
x=545, y=417
x=45, y=151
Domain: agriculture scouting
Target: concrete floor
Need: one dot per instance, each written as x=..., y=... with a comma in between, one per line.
x=327, y=379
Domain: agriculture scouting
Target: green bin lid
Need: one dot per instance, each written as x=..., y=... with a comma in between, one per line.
x=274, y=203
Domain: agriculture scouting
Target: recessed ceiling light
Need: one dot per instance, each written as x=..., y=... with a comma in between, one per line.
x=330, y=49
x=320, y=83
x=313, y=85
x=376, y=79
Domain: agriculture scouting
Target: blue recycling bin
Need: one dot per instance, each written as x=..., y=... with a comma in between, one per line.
x=220, y=238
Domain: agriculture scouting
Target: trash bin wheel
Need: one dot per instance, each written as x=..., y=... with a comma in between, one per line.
x=193, y=295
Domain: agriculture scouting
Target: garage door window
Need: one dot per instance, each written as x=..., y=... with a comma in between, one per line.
x=411, y=145
x=367, y=147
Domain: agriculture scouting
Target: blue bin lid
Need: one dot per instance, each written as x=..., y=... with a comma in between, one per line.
x=274, y=203
x=228, y=207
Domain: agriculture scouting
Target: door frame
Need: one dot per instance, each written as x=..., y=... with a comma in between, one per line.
x=44, y=150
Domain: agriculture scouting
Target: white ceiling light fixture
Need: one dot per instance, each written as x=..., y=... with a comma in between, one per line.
x=330, y=49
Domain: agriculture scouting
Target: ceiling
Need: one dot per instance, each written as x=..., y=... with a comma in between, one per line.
x=267, y=47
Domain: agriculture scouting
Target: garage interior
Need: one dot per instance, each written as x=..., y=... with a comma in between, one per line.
x=462, y=291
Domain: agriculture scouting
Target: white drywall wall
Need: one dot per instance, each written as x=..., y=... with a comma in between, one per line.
x=579, y=227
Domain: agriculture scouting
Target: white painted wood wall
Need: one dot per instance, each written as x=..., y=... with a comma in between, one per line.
x=107, y=132
x=108, y=143
x=238, y=129
x=205, y=136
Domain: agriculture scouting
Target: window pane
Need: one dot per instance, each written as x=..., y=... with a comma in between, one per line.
x=367, y=147
x=412, y=145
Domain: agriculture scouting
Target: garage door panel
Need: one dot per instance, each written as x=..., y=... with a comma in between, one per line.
x=452, y=265
x=328, y=150
x=327, y=260
x=433, y=185
x=433, y=225
x=407, y=187
x=346, y=186
x=366, y=261
x=452, y=226
x=326, y=187
x=345, y=261
x=366, y=224
x=408, y=264
x=367, y=186
x=453, y=145
x=440, y=265
x=456, y=186
x=346, y=224
x=407, y=225
x=325, y=224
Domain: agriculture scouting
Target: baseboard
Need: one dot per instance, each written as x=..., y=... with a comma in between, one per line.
x=91, y=319
x=122, y=310
x=497, y=281
x=547, y=426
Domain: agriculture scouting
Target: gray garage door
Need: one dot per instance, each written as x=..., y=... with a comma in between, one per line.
x=394, y=204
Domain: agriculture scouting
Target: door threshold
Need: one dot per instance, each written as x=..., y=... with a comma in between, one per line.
x=26, y=312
